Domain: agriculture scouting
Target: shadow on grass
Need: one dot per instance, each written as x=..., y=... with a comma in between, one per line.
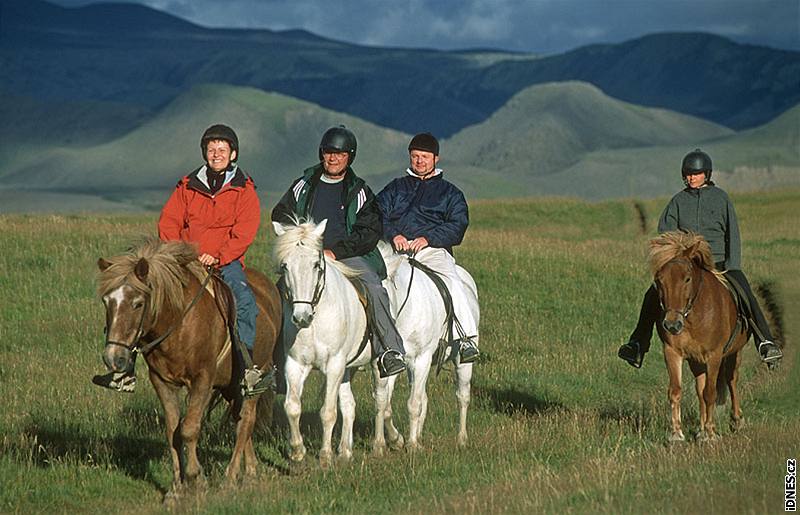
x=512, y=401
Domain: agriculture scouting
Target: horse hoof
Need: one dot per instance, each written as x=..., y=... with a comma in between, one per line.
x=737, y=424
x=462, y=441
x=172, y=499
x=677, y=437
x=379, y=451
x=397, y=443
x=413, y=447
x=298, y=454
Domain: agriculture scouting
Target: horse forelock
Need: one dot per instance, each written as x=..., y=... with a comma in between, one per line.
x=300, y=239
x=680, y=244
x=168, y=264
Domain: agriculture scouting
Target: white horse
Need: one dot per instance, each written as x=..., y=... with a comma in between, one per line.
x=421, y=323
x=331, y=325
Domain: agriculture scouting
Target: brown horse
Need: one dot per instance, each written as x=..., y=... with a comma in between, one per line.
x=699, y=324
x=156, y=289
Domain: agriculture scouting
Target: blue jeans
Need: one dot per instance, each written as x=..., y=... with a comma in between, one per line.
x=246, y=307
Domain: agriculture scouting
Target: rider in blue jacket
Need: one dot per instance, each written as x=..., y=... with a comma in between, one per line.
x=426, y=215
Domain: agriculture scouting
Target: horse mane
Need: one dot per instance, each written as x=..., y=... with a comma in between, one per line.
x=390, y=257
x=300, y=237
x=169, y=262
x=677, y=244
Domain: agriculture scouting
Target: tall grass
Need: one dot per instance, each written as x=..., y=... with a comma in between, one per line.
x=557, y=422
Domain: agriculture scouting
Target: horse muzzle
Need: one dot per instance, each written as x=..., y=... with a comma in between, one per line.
x=302, y=316
x=117, y=358
x=673, y=324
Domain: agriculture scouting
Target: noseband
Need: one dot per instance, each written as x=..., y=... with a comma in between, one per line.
x=685, y=311
x=318, y=287
x=135, y=346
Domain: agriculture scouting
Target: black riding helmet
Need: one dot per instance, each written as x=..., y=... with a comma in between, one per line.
x=339, y=139
x=220, y=132
x=697, y=161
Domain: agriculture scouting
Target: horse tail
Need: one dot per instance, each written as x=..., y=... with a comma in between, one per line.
x=722, y=386
x=772, y=309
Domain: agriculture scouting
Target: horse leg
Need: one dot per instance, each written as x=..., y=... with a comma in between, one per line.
x=700, y=377
x=710, y=398
x=732, y=377
x=417, y=400
x=328, y=413
x=393, y=436
x=244, y=434
x=463, y=379
x=381, y=395
x=168, y=395
x=197, y=402
x=295, y=378
x=347, y=405
x=674, y=361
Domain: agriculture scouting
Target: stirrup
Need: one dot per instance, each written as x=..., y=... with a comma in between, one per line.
x=257, y=381
x=771, y=353
x=118, y=381
x=390, y=363
x=468, y=351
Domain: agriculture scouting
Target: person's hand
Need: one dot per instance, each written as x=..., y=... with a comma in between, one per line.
x=329, y=254
x=418, y=244
x=400, y=243
x=208, y=260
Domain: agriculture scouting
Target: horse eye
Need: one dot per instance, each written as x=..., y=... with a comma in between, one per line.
x=688, y=279
x=283, y=267
x=138, y=305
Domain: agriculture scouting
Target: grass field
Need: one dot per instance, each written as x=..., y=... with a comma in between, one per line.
x=557, y=422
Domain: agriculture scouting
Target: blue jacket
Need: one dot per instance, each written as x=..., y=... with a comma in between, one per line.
x=433, y=208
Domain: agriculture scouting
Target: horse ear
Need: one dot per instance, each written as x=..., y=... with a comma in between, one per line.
x=319, y=230
x=102, y=264
x=278, y=228
x=141, y=269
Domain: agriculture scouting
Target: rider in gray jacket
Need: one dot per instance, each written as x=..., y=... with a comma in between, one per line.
x=702, y=208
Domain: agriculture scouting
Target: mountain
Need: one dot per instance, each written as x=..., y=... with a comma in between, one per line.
x=546, y=128
x=766, y=157
x=131, y=55
x=279, y=137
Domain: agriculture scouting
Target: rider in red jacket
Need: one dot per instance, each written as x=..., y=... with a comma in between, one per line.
x=216, y=208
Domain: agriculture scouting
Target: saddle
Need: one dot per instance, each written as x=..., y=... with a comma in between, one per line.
x=744, y=311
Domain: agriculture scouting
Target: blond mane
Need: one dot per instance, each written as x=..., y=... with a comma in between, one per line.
x=167, y=274
x=677, y=244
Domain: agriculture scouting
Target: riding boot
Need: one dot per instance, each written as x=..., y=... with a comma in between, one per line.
x=768, y=351
x=639, y=342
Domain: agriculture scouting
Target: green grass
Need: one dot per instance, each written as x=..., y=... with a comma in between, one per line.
x=557, y=422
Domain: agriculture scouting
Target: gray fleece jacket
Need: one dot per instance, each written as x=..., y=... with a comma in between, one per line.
x=707, y=211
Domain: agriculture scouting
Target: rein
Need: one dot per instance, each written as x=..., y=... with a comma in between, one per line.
x=134, y=347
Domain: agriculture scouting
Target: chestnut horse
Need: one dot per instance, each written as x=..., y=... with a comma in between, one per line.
x=698, y=324
x=156, y=290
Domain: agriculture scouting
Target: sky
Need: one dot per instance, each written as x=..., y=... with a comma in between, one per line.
x=537, y=26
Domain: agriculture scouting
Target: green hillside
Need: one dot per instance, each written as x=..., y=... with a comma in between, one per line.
x=279, y=137
x=546, y=128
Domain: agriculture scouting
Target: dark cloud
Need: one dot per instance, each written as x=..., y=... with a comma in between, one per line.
x=543, y=26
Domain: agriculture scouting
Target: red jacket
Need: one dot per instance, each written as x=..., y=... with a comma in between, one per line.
x=222, y=224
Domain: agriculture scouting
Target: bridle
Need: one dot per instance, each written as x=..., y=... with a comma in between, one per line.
x=318, y=286
x=690, y=304
x=135, y=346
